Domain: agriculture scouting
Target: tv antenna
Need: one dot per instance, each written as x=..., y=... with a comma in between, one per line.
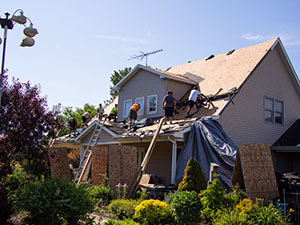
x=144, y=55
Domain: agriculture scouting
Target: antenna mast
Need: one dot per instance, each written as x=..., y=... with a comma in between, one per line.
x=144, y=55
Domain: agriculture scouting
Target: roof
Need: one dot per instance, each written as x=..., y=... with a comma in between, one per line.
x=291, y=137
x=161, y=73
x=225, y=70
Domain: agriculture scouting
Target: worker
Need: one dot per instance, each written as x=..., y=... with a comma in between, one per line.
x=169, y=105
x=195, y=93
x=113, y=113
x=133, y=113
x=72, y=125
x=100, y=112
x=85, y=118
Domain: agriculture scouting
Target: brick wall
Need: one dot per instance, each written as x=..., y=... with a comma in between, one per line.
x=99, y=164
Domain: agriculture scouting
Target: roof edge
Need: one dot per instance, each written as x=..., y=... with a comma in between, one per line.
x=162, y=76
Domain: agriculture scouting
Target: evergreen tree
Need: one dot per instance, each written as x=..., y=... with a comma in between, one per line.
x=193, y=179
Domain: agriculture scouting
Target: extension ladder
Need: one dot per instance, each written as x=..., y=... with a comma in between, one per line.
x=86, y=160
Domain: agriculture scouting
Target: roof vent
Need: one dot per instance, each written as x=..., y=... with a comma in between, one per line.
x=230, y=52
x=168, y=68
x=189, y=61
x=210, y=57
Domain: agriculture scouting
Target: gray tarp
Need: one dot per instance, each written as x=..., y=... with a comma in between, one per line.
x=208, y=143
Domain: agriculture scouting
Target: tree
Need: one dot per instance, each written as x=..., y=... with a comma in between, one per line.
x=193, y=179
x=26, y=126
x=115, y=78
x=68, y=112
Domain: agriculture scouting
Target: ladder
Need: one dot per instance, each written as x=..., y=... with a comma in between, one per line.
x=135, y=184
x=85, y=162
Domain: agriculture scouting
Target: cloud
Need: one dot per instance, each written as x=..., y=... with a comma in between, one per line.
x=120, y=38
x=287, y=39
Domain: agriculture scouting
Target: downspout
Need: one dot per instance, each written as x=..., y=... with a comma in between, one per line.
x=174, y=156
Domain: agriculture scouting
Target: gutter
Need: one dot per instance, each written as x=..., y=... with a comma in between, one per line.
x=174, y=159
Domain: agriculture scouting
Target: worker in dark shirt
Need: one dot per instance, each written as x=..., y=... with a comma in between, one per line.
x=169, y=105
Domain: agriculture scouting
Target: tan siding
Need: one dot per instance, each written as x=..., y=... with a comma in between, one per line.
x=142, y=84
x=104, y=137
x=244, y=121
x=160, y=162
x=179, y=89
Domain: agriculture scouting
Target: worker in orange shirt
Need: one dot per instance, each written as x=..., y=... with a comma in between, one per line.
x=133, y=113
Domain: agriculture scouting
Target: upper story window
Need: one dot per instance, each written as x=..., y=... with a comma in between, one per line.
x=152, y=104
x=273, y=111
x=126, y=106
x=141, y=102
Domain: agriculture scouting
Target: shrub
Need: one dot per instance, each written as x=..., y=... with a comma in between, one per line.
x=168, y=198
x=233, y=217
x=100, y=195
x=153, y=212
x=265, y=215
x=193, y=179
x=120, y=222
x=214, y=200
x=52, y=201
x=122, y=208
x=187, y=206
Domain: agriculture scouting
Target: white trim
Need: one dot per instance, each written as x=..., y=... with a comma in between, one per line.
x=141, y=112
x=124, y=102
x=156, y=102
x=174, y=159
x=161, y=75
x=114, y=135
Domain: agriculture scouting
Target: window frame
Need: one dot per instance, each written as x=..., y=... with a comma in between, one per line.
x=148, y=105
x=124, y=104
x=141, y=112
x=274, y=111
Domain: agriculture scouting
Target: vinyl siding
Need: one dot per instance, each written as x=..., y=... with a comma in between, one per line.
x=179, y=89
x=244, y=121
x=160, y=162
x=142, y=84
x=104, y=137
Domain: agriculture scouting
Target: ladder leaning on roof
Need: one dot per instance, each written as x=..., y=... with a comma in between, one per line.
x=85, y=162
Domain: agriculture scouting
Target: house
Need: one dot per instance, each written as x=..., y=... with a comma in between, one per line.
x=267, y=104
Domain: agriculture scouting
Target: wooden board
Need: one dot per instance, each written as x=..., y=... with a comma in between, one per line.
x=256, y=171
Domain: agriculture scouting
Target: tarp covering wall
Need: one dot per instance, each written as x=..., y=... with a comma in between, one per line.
x=208, y=143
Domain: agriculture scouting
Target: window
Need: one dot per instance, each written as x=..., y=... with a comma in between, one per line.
x=140, y=101
x=152, y=104
x=126, y=107
x=273, y=111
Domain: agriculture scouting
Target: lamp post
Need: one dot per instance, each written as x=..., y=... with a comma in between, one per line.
x=28, y=41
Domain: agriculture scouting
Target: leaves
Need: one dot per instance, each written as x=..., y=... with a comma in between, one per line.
x=26, y=124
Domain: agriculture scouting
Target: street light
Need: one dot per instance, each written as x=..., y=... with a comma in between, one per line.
x=8, y=24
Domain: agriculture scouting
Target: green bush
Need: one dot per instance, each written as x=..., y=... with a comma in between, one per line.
x=101, y=195
x=168, y=198
x=54, y=201
x=214, y=200
x=193, y=179
x=265, y=215
x=233, y=217
x=153, y=212
x=187, y=206
x=120, y=222
x=122, y=208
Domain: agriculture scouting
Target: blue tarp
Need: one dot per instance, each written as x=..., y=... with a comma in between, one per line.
x=208, y=143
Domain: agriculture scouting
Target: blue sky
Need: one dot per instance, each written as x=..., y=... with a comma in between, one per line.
x=80, y=43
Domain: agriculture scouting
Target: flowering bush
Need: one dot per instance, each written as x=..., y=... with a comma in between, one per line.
x=120, y=222
x=187, y=206
x=153, y=212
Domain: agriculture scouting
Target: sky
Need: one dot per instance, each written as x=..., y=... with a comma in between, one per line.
x=80, y=43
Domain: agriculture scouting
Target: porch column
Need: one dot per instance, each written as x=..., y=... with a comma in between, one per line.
x=81, y=153
x=174, y=159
